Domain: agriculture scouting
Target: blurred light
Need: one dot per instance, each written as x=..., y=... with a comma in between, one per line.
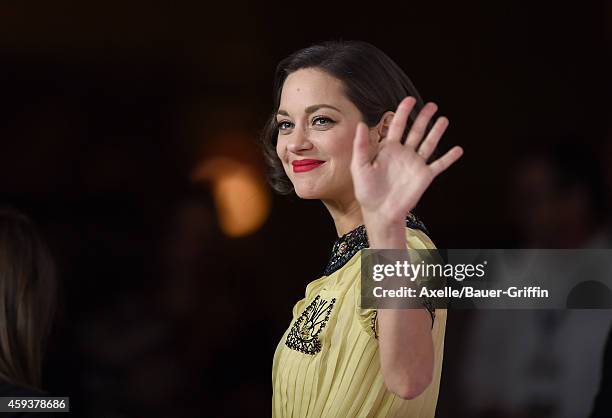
x=241, y=196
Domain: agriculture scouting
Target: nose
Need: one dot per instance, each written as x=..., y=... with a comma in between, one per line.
x=298, y=142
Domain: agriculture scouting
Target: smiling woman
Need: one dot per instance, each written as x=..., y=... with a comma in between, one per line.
x=339, y=133
x=367, y=78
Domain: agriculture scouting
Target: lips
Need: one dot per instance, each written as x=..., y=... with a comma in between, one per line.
x=300, y=166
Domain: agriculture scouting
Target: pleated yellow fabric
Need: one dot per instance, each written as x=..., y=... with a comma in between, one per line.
x=334, y=369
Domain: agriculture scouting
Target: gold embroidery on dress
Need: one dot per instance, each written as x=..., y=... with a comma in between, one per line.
x=352, y=242
x=304, y=333
x=374, y=324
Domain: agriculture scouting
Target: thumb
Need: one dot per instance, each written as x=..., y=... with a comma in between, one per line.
x=361, y=146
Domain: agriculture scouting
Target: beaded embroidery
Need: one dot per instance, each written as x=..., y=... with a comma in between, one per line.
x=429, y=306
x=353, y=241
x=304, y=333
x=374, y=324
x=346, y=247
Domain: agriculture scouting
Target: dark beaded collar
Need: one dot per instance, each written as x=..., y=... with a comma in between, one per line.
x=350, y=243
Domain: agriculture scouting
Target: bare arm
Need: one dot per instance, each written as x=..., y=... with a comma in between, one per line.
x=388, y=185
x=404, y=335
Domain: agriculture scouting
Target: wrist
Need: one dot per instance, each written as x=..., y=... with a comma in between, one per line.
x=383, y=233
x=378, y=221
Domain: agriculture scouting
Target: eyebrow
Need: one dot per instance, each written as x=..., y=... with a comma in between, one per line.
x=310, y=109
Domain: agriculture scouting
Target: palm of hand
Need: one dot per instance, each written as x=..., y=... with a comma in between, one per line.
x=392, y=183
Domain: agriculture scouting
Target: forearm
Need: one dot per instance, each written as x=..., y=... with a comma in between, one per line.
x=404, y=335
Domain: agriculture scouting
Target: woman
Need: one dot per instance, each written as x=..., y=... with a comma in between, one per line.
x=27, y=295
x=334, y=136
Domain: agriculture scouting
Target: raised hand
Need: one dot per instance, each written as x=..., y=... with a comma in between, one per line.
x=390, y=184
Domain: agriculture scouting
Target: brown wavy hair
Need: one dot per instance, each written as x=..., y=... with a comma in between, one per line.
x=372, y=81
x=27, y=299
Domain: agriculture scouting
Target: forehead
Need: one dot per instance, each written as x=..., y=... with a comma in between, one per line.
x=305, y=87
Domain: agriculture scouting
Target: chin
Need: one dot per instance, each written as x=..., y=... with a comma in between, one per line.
x=308, y=191
x=307, y=194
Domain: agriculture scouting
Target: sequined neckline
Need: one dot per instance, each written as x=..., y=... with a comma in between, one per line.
x=349, y=244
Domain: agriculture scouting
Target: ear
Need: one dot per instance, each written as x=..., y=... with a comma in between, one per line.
x=379, y=132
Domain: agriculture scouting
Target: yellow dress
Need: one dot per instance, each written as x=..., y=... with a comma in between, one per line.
x=327, y=362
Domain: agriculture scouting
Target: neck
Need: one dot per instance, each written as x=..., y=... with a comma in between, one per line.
x=346, y=214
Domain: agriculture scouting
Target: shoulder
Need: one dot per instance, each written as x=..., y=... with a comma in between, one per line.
x=417, y=234
x=418, y=240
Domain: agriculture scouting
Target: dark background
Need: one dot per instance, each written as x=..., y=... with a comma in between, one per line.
x=107, y=107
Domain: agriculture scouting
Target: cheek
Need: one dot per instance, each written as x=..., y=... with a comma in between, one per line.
x=281, y=153
x=342, y=148
x=280, y=150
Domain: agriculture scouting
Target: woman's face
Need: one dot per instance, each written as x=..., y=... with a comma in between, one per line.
x=316, y=127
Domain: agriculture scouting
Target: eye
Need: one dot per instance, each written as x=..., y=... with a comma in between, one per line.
x=322, y=121
x=284, y=125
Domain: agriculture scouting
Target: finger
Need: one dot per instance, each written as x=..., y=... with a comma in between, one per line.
x=361, y=149
x=420, y=125
x=398, y=123
x=446, y=160
x=430, y=143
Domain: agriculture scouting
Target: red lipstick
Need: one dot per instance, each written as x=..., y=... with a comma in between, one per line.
x=300, y=166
